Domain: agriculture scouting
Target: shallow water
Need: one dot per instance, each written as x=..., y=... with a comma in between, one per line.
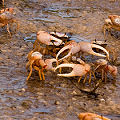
x=55, y=98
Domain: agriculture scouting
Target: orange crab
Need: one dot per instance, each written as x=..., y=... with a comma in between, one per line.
x=113, y=21
x=104, y=68
x=36, y=61
x=91, y=116
x=6, y=17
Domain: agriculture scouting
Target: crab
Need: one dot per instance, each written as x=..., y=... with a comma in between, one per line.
x=113, y=21
x=6, y=17
x=84, y=47
x=36, y=61
x=91, y=116
x=80, y=70
x=104, y=68
x=47, y=39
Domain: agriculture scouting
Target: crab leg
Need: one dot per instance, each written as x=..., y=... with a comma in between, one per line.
x=30, y=71
x=8, y=30
x=36, y=68
x=79, y=79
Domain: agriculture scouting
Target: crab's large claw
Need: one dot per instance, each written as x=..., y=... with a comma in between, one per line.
x=49, y=63
x=73, y=48
x=78, y=69
x=48, y=39
x=88, y=48
x=66, y=65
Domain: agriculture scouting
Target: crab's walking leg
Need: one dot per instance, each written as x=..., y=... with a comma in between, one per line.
x=102, y=75
x=79, y=79
x=35, y=43
x=8, y=30
x=85, y=78
x=43, y=76
x=105, y=77
x=90, y=78
x=30, y=72
x=36, y=68
x=93, y=75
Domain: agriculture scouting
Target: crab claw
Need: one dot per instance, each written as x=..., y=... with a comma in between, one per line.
x=73, y=48
x=78, y=69
x=48, y=39
x=49, y=64
x=88, y=48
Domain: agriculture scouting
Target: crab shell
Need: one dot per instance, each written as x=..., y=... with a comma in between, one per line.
x=36, y=55
x=47, y=39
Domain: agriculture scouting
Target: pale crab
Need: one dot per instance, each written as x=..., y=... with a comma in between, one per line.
x=84, y=47
x=37, y=62
x=113, y=21
x=52, y=41
x=7, y=17
x=91, y=116
x=104, y=68
x=81, y=69
x=47, y=39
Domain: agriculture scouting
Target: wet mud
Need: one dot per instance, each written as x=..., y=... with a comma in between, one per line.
x=56, y=98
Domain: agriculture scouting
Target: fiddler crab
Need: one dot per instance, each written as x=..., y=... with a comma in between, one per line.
x=113, y=21
x=53, y=41
x=37, y=62
x=7, y=17
x=81, y=69
x=84, y=47
x=91, y=116
x=104, y=68
x=52, y=38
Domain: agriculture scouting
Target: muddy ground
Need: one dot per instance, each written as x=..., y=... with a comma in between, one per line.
x=56, y=98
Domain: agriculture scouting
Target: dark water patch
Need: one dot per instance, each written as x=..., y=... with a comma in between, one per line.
x=46, y=20
x=30, y=38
